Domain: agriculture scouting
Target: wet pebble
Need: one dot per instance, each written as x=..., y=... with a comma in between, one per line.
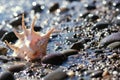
x=54, y=59
x=93, y=17
x=77, y=45
x=114, y=45
x=3, y=50
x=58, y=74
x=5, y=58
x=7, y=76
x=16, y=21
x=100, y=25
x=16, y=68
x=69, y=52
x=54, y=7
x=37, y=7
x=90, y=6
x=9, y=36
x=111, y=38
x=2, y=32
x=96, y=74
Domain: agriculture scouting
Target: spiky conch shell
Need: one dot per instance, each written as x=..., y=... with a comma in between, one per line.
x=30, y=45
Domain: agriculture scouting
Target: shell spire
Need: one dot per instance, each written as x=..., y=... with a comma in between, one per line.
x=30, y=45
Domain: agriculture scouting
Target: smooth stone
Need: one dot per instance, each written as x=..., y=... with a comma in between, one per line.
x=100, y=25
x=69, y=52
x=37, y=8
x=58, y=74
x=54, y=59
x=16, y=68
x=77, y=45
x=114, y=45
x=96, y=74
x=54, y=7
x=7, y=76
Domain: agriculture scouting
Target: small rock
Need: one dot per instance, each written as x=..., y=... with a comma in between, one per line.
x=16, y=68
x=96, y=74
x=69, y=52
x=6, y=76
x=77, y=45
x=3, y=50
x=58, y=74
x=37, y=8
x=54, y=7
x=54, y=59
x=9, y=36
x=100, y=25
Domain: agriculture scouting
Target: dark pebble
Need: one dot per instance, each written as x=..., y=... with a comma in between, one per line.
x=93, y=17
x=37, y=8
x=84, y=15
x=37, y=28
x=3, y=50
x=58, y=74
x=54, y=59
x=54, y=7
x=2, y=32
x=98, y=51
x=16, y=21
x=100, y=25
x=90, y=6
x=9, y=36
x=116, y=3
x=96, y=74
x=5, y=58
x=77, y=45
x=114, y=45
x=69, y=52
x=6, y=76
x=16, y=68
x=111, y=38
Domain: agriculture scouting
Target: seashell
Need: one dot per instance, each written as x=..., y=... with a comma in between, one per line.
x=7, y=76
x=111, y=38
x=31, y=45
x=58, y=74
x=54, y=59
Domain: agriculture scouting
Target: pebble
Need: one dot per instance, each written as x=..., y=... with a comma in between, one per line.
x=58, y=74
x=54, y=59
x=3, y=50
x=69, y=52
x=111, y=38
x=16, y=68
x=37, y=8
x=7, y=76
x=96, y=74
x=100, y=25
x=90, y=6
x=16, y=21
x=114, y=45
x=9, y=36
x=77, y=45
x=54, y=7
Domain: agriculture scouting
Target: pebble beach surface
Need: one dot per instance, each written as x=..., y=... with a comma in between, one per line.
x=85, y=46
